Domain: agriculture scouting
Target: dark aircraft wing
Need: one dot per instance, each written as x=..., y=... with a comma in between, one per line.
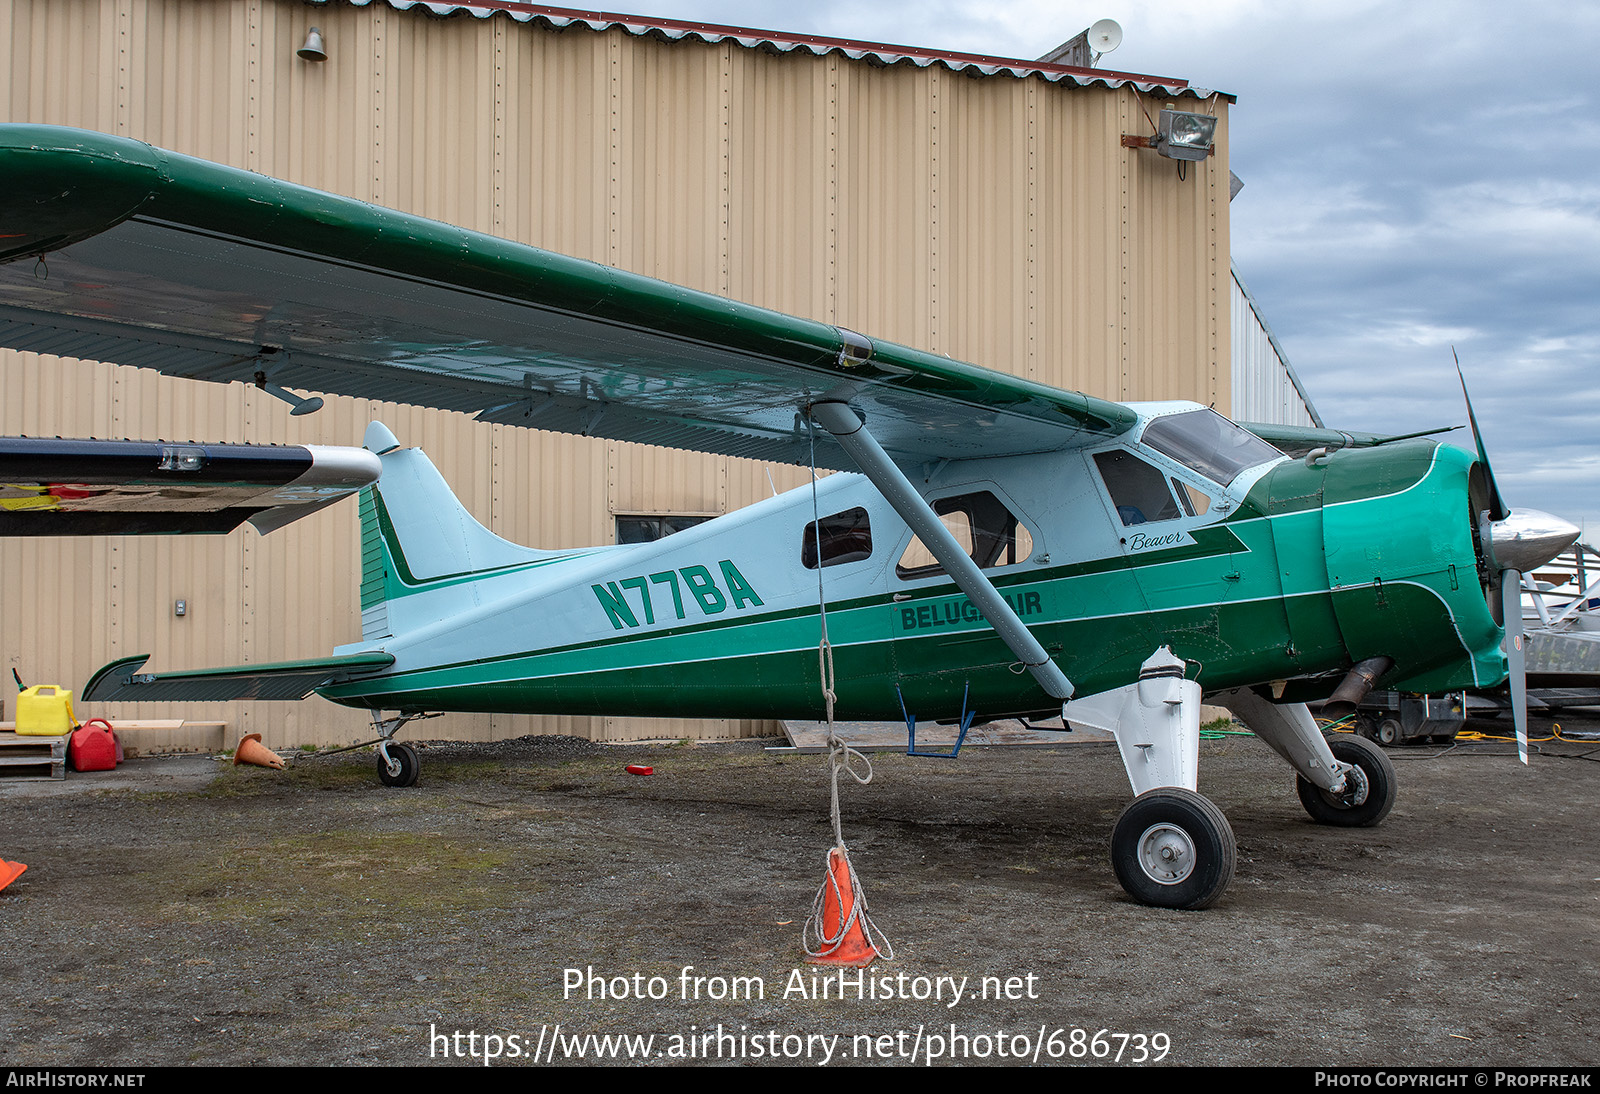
x=50, y=486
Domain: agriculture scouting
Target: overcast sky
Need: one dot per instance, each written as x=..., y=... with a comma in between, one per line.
x=1417, y=175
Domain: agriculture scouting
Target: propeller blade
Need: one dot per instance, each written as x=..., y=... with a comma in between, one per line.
x=1497, y=507
x=1516, y=662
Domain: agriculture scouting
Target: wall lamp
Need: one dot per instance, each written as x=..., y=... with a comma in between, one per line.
x=1180, y=135
x=314, y=49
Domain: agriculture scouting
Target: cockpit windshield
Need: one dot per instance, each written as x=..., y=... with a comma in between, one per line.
x=1205, y=441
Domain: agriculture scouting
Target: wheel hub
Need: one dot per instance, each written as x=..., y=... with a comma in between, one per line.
x=1356, y=788
x=1166, y=854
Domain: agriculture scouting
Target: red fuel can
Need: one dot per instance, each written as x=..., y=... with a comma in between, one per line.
x=94, y=746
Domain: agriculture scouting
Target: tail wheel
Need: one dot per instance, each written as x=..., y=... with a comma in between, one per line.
x=1369, y=789
x=405, y=758
x=1172, y=848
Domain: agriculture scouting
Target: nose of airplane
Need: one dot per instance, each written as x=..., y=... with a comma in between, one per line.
x=1528, y=538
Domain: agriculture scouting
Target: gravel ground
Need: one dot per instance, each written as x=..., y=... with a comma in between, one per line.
x=184, y=911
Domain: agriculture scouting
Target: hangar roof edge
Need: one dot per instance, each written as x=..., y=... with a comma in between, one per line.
x=786, y=42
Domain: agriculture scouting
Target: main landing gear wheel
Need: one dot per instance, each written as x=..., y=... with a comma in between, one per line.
x=1172, y=848
x=406, y=758
x=1369, y=789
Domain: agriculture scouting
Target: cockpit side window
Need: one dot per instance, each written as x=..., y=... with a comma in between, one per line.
x=1195, y=502
x=1138, y=490
x=1206, y=442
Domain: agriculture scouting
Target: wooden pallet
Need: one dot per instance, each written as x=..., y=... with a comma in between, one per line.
x=24, y=757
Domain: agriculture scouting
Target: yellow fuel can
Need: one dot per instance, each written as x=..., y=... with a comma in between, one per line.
x=44, y=710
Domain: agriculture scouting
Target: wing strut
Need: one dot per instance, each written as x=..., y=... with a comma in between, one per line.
x=851, y=433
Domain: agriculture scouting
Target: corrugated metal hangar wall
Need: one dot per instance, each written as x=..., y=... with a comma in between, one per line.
x=989, y=214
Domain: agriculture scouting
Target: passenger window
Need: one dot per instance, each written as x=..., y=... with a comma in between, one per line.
x=1138, y=490
x=843, y=537
x=983, y=526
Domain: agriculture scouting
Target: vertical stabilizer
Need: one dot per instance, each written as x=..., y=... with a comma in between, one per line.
x=418, y=539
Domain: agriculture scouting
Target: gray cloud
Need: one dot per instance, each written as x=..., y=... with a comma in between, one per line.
x=1417, y=176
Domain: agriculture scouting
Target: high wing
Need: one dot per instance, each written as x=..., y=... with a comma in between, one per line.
x=112, y=250
x=50, y=486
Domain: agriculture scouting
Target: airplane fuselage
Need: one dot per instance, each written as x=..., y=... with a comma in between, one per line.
x=1285, y=574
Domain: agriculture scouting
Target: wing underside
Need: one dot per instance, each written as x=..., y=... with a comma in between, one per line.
x=115, y=251
x=50, y=486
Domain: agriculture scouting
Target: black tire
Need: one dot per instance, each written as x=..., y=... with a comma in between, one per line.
x=1172, y=848
x=1377, y=793
x=1388, y=732
x=410, y=765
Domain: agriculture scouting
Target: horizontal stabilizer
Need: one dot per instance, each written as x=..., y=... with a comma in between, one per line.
x=122, y=682
x=53, y=486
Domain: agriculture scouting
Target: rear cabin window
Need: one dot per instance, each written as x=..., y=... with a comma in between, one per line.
x=1138, y=490
x=843, y=537
x=983, y=526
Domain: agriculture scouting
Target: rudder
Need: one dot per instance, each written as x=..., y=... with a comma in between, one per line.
x=415, y=534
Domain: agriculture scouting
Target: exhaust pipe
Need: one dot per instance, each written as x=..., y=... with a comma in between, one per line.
x=1354, y=688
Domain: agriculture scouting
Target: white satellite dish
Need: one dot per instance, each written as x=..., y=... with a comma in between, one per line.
x=1105, y=36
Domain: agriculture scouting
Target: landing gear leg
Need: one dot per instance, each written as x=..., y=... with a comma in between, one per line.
x=1171, y=847
x=1345, y=780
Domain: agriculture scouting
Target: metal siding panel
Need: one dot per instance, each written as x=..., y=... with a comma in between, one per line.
x=984, y=254
x=556, y=159
x=885, y=202
x=1078, y=224
x=1175, y=348
x=671, y=206
x=782, y=243
x=1262, y=388
x=440, y=90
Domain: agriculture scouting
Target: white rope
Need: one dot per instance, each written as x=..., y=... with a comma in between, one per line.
x=840, y=756
x=829, y=944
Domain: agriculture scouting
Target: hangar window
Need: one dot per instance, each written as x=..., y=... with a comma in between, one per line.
x=1205, y=441
x=649, y=528
x=1138, y=490
x=983, y=526
x=843, y=537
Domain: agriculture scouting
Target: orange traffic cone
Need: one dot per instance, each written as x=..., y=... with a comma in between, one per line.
x=252, y=751
x=842, y=933
x=9, y=872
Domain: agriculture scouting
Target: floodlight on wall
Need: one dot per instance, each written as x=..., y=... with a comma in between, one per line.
x=1180, y=135
x=1183, y=135
x=314, y=49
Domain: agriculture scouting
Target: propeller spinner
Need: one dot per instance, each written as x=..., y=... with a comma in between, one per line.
x=1514, y=543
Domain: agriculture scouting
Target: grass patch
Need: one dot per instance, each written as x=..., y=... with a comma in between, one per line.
x=339, y=879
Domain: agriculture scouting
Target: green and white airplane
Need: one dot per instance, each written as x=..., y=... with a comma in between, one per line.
x=998, y=547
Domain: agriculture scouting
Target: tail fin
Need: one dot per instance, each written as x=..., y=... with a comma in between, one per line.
x=417, y=538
